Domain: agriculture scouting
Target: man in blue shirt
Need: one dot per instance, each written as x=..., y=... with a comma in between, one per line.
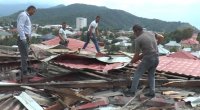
x=24, y=31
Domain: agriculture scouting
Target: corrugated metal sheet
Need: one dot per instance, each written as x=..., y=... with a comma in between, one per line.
x=28, y=102
x=187, y=67
x=74, y=44
x=79, y=62
x=114, y=59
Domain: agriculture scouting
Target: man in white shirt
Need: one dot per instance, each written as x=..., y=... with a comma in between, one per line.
x=24, y=30
x=92, y=33
x=63, y=34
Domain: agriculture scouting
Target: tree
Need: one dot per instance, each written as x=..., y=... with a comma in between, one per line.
x=111, y=36
x=198, y=37
x=187, y=33
x=83, y=37
x=114, y=48
x=178, y=35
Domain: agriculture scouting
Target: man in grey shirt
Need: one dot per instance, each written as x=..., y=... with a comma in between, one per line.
x=147, y=51
x=24, y=31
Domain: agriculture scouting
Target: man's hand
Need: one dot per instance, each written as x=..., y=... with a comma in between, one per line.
x=159, y=38
x=28, y=42
x=136, y=57
x=27, y=39
x=91, y=36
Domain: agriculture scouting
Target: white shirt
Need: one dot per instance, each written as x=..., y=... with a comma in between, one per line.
x=93, y=25
x=65, y=33
x=23, y=25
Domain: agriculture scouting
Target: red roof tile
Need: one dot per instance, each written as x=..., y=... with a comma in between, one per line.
x=187, y=67
x=190, y=41
x=183, y=54
x=74, y=44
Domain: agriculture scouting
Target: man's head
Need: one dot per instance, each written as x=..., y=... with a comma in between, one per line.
x=137, y=30
x=31, y=10
x=64, y=24
x=97, y=18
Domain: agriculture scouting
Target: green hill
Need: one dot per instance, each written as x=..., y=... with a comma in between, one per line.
x=110, y=18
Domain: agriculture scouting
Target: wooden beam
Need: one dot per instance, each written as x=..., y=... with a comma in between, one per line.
x=81, y=84
x=172, y=76
x=69, y=92
x=70, y=84
x=137, y=94
x=95, y=75
x=183, y=83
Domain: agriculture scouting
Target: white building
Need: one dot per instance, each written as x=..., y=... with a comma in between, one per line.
x=81, y=23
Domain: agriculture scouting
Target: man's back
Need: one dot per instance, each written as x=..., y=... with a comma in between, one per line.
x=93, y=25
x=23, y=25
x=146, y=42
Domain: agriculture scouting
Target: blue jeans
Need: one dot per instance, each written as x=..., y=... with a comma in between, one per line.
x=23, y=49
x=148, y=64
x=94, y=40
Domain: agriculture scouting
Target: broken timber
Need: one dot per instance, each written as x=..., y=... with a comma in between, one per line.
x=183, y=83
x=79, y=84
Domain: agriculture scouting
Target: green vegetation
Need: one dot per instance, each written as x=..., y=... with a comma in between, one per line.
x=9, y=41
x=178, y=35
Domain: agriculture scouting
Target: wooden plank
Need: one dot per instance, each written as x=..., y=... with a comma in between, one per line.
x=60, y=51
x=69, y=93
x=183, y=83
x=71, y=101
x=70, y=84
x=137, y=94
x=95, y=75
x=56, y=106
x=79, y=84
x=173, y=76
x=183, y=93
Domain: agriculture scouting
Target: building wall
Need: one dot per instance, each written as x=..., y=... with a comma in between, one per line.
x=81, y=23
x=194, y=47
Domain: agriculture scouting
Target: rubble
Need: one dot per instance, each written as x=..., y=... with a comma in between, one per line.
x=74, y=79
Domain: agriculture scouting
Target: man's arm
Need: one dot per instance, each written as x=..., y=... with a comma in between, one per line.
x=137, y=56
x=97, y=31
x=90, y=31
x=20, y=25
x=159, y=38
x=60, y=36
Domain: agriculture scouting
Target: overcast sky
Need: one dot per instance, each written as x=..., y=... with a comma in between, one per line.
x=167, y=10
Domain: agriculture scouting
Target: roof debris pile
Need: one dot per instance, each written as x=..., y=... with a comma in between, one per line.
x=74, y=79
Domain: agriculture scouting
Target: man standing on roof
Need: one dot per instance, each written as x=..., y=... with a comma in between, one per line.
x=23, y=42
x=92, y=33
x=63, y=34
x=147, y=51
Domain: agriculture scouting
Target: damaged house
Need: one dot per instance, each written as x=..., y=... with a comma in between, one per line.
x=75, y=79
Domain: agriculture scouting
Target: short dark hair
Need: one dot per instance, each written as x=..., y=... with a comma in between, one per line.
x=64, y=22
x=97, y=16
x=137, y=28
x=31, y=7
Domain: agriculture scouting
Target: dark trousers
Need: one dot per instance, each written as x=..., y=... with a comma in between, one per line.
x=94, y=40
x=148, y=64
x=23, y=49
x=64, y=43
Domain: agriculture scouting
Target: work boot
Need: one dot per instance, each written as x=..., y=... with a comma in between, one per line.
x=129, y=93
x=150, y=95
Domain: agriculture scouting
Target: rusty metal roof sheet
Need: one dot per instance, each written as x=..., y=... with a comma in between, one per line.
x=74, y=44
x=80, y=62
